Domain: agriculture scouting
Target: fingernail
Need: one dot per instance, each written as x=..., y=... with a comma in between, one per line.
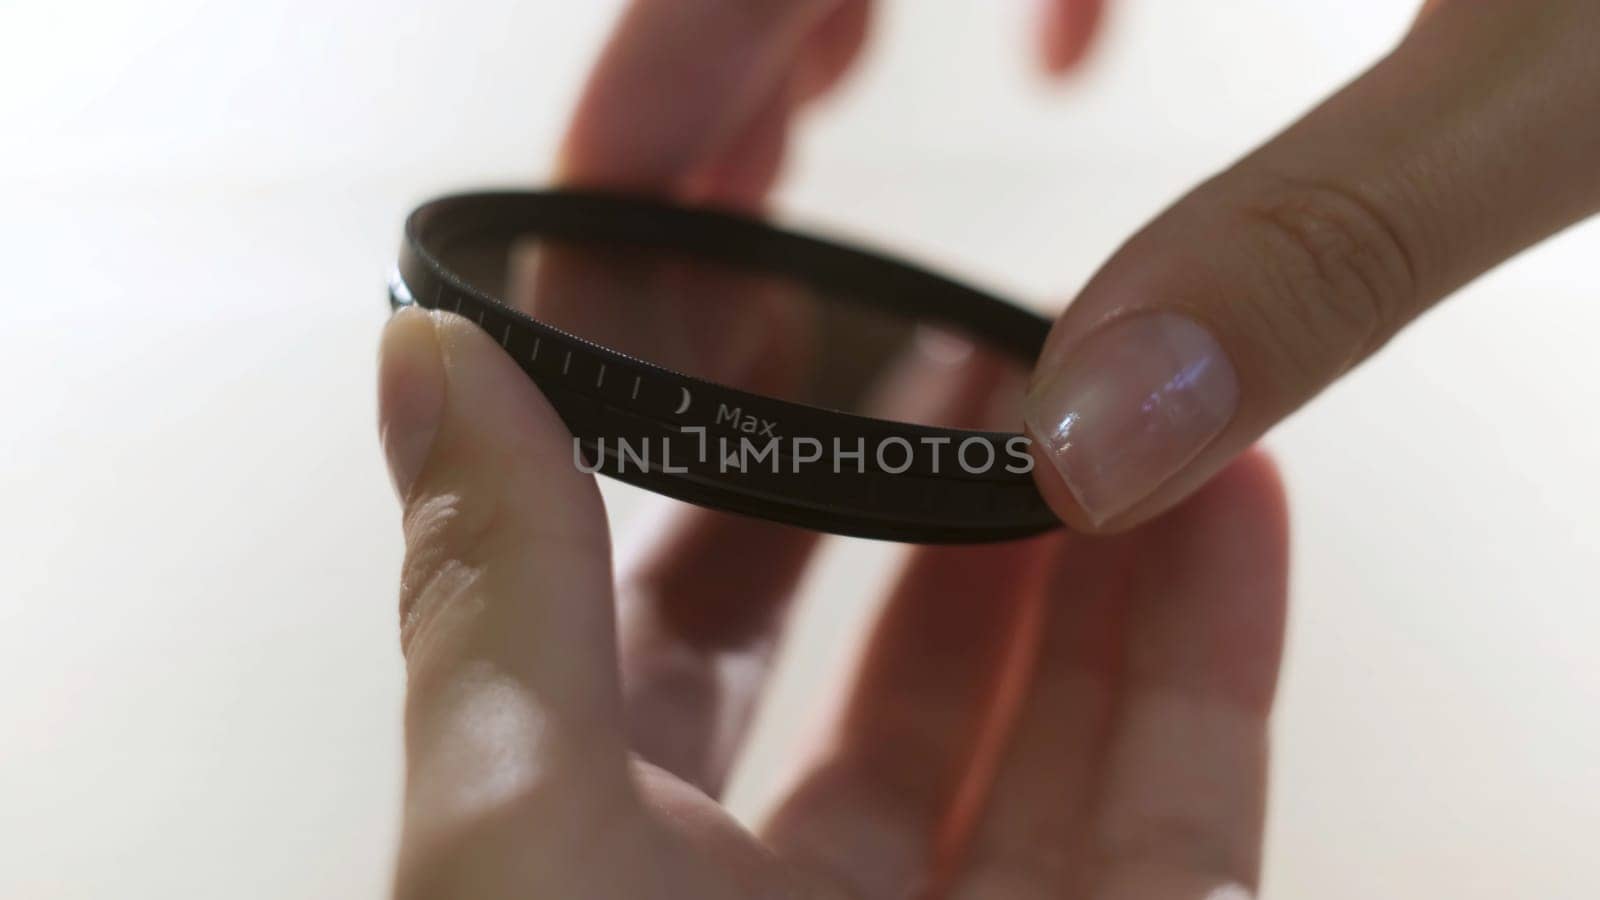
x=411, y=394
x=1130, y=406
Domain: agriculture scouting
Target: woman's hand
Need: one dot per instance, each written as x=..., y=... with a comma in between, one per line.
x=1478, y=136
x=1063, y=717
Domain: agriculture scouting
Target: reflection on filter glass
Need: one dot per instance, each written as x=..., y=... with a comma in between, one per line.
x=763, y=333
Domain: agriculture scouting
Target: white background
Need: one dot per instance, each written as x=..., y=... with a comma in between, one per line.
x=199, y=680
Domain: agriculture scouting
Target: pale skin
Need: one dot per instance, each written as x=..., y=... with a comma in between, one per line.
x=1067, y=716
x=1083, y=715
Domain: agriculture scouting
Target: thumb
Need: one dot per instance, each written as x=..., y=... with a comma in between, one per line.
x=512, y=707
x=1472, y=140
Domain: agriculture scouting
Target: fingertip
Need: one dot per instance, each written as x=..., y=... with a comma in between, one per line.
x=1253, y=483
x=411, y=391
x=1226, y=549
x=832, y=49
x=495, y=409
x=1247, y=493
x=501, y=439
x=1237, y=526
x=1066, y=33
x=1057, y=494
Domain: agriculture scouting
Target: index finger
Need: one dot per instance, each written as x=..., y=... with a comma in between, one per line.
x=1236, y=306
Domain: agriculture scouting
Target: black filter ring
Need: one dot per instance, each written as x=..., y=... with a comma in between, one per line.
x=959, y=486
